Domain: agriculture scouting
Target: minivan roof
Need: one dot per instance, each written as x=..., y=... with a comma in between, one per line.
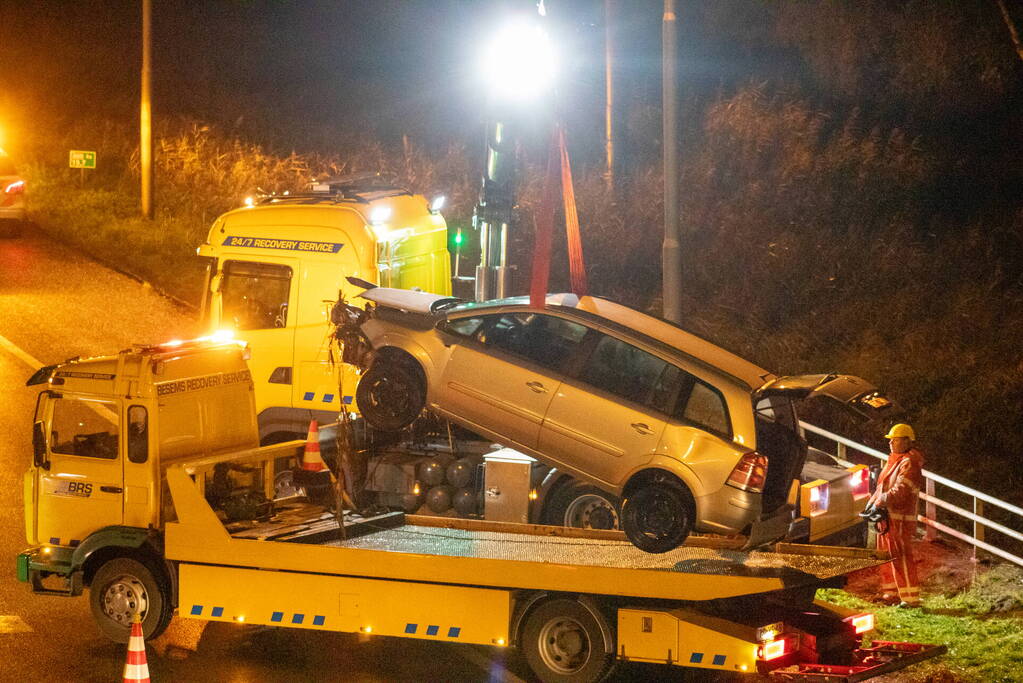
x=650, y=326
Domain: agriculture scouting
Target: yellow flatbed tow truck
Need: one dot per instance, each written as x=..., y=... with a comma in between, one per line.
x=130, y=503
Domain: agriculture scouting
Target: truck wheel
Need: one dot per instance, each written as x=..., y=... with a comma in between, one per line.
x=657, y=516
x=563, y=642
x=390, y=396
x=584, y=507
x=122, y=588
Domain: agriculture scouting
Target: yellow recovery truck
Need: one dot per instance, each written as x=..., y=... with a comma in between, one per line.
x=147, y=488
x=277, y=265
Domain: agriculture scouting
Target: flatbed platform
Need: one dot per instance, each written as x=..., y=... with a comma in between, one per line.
x=518, y=546
x=473, y=539
x=459, y=552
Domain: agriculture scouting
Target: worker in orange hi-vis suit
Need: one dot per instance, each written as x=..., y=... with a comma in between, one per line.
x=898, y=490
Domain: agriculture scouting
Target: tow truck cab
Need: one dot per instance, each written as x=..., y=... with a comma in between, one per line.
x=277, y=266
x=104, y=431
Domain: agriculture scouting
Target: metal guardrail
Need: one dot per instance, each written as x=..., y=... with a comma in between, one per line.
x=979, y=523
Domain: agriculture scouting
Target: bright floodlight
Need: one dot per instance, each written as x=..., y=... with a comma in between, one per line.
x=520, y=63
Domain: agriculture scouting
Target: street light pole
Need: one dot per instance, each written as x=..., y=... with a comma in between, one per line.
x=671, y=253
x=146, y=113
x=609, y=107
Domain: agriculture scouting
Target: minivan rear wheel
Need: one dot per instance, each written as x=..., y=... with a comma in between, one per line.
x=657, y=516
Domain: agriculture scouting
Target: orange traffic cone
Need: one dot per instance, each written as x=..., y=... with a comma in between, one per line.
x=136, y=670
x=311, y=459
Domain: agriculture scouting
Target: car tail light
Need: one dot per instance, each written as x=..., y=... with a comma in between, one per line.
x=750, y=474
x=779, y=647
x=859, y=481
x=17, y=187
x=815, y=498
x=861, y=622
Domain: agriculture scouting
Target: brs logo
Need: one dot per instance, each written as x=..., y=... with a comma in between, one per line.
x=80, y=489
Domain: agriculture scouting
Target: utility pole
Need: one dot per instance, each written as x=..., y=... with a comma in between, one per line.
x=609, y=108
x=146, y=112
x=671, y=254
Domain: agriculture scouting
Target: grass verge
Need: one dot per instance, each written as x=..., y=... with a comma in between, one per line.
x=981, y=625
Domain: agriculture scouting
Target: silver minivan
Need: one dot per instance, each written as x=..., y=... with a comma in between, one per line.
x=690, y=436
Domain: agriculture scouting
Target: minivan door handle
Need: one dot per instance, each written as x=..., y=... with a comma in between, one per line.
x=111, y=489
x=537, y=387
x=642, y=428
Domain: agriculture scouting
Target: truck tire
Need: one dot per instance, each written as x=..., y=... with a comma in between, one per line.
x=390, y=396
x=123, y=587
x=564, y=643
x=583, y=506
x=657, y=516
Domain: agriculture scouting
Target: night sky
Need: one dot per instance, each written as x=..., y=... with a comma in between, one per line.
x=294, y=68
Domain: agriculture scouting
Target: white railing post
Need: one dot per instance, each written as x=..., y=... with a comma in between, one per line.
x=840, y=453
x=931, y=511
x=978, y=528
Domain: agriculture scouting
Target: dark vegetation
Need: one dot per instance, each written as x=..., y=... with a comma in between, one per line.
x=851, y=199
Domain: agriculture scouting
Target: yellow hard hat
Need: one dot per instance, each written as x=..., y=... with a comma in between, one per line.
x=901, y=430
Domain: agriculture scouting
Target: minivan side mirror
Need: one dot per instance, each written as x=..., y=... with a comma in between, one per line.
x=39, y=446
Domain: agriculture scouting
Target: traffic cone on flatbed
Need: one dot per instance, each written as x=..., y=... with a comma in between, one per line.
x=312, y=461
x=312, y=474
x=136, y=670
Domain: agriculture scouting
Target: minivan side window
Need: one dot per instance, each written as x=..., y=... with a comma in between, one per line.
x=463, y=327
x=631, y=373
x=543, y=339
x=85, y=428
x=255, y=295
x=705, y=407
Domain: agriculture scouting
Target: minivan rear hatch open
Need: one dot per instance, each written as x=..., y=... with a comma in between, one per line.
x=853, y=393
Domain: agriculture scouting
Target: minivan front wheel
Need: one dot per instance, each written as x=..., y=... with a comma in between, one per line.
x=657, y=516
x=390, y=396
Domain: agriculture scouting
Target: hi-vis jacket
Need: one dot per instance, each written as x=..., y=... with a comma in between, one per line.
x=898, y=486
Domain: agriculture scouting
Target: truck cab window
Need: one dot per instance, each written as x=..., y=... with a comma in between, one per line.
x=255, y=295
x=138, y=434
x=85, y=428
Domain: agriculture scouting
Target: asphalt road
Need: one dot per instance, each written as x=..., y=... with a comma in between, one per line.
x=55, y=305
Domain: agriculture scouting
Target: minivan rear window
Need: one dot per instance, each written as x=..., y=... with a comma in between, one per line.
x=706, y=408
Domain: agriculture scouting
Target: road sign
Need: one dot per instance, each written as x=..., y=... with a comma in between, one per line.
x=82, y=159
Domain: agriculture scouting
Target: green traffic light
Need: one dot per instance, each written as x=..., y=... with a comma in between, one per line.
x=458, y=238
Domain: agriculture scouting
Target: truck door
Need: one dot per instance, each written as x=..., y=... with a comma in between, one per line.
x=81, y=480
x=318, y=384
x=256, y=298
